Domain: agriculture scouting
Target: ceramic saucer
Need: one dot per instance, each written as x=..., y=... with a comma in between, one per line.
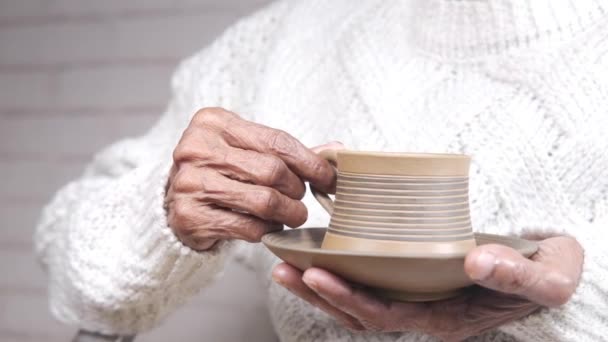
x=404, y=277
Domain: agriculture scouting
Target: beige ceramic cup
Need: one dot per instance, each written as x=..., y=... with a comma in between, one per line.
x=399, y=203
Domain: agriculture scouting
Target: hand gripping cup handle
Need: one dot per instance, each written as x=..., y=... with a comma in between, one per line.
x=323, y=198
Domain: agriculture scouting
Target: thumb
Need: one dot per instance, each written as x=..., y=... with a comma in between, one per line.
x=503, y=269
x=333, y=145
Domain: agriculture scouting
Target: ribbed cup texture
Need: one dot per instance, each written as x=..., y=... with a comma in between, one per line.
x=398, y=208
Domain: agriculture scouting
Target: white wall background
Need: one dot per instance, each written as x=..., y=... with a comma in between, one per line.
x=76, y=75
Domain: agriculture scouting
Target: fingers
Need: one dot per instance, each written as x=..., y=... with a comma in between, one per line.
x=205, y=149
x=503, y=269
x=247, y=173
x=334, y=145
x=487, y=304
x=562, y=259
x=190, y=222
x=373, y=313
x=252, y=136
x=261, y=169
x=266, y=203
x=476, y=312
x=291, y=278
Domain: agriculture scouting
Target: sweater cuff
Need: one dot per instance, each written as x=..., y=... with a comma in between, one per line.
x=155, y=242
x=583, y=318
x=155, y=239
x=129, y=272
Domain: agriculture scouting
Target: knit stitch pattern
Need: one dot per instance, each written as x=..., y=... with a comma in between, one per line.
x=520, y=85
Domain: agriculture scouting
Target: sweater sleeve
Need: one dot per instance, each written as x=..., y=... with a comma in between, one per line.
x=585, y=316
x=113, y=263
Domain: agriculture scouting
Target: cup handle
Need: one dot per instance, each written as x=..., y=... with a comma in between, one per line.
x=326, y=202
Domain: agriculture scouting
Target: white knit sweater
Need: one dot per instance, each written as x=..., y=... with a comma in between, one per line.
x=521, y=85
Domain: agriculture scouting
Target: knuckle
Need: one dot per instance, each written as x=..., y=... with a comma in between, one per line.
x=268, y=203
x=275, y=171
x=180, y=216
x=185, y=150
x=322, y=170
x=209, y=116
x=185, y=182
x=211, y=191
x=281, y=142
x=519, y=280
x=319, y=167
x=196, y=148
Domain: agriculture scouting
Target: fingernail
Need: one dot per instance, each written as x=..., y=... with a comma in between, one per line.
x=278, y=281
x=310, y=283
x=484, y=265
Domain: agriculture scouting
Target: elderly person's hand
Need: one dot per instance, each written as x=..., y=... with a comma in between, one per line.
x=235, y=179
x=512, y=287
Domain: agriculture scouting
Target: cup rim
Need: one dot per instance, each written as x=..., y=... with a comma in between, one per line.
x=422, y=155
x=403, y=164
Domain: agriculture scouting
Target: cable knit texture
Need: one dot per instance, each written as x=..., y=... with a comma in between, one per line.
x=521, y=85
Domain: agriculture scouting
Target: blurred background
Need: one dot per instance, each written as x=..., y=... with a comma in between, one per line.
x=76, y=75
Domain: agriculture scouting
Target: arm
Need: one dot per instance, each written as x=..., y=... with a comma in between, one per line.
x=114, y=264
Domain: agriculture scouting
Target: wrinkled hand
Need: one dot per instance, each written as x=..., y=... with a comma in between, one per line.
x=548, y=279
x=235, y=179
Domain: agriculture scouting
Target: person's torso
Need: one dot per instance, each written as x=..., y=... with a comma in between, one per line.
x=533, y=121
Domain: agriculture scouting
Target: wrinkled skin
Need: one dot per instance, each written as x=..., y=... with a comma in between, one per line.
x=511, y=287
x=235, y=179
